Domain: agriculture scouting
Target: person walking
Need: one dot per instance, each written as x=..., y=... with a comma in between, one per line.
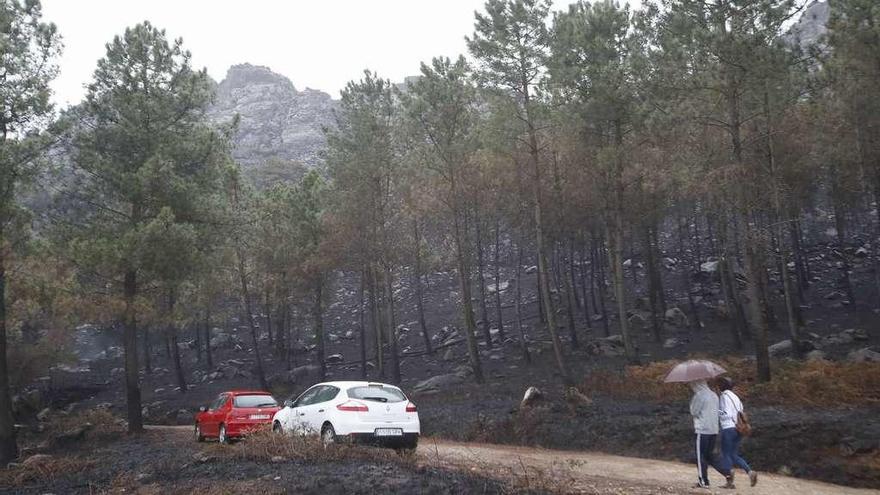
x=704, y=410
x=730, y=410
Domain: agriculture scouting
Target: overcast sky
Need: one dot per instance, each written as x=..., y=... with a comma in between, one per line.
x=320, y=44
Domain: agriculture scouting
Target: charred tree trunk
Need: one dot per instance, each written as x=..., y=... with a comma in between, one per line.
x=656, y=322
x=601, y=263
x=570, y=298
x=318, y=315
x=377, y=321
x=267, y=308
x=840, y=225
x=417, y=282
x=198, y=339
x=481, y=282
x=462, y=248
x=249, y=317
x=148, y=351
x=694, y=320
x=132, y=380
x=616, y=236
x=756, y=303
x=497, y=266
x=523, y=340
x=8, y=440
x=362, y=330
x=209, y=359
x=175, y=350
x=392, y=326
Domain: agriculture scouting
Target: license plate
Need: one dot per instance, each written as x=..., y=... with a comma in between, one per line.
x=389, y=432
x=259, y=416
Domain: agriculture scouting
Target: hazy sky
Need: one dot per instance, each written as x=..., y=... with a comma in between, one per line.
x=320, y=44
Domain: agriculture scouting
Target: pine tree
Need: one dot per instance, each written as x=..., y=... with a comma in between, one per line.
x=145, y=159
x=28, y=48
x=510, y=44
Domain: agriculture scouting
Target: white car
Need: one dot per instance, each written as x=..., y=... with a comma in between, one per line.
x=365, y=412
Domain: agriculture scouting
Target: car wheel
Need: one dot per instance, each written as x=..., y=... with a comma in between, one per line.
x=328, y=435
x=223, y=438
x=198, y=432
x=276, y=428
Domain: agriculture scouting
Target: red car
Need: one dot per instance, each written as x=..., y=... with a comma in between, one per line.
x=235, y=413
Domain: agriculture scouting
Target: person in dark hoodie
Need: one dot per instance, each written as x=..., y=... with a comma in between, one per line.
x=704, y=410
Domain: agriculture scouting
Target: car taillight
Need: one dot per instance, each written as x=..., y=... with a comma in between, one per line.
x=410, y=407
x=352, y=406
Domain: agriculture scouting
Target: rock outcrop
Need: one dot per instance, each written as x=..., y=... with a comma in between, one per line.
x=811, y=26
x=276, y=121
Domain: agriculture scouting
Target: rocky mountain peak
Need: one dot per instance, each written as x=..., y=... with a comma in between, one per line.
x=811, y=26
x=276, y=122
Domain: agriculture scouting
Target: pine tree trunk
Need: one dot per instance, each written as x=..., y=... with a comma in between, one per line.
x=616, y=250
x=198, y=338
x=148, y=352
x=759, y=323
x=8, y=440
x=175, y=350
x=656, y=323
x=318, y=315
x=481, y=282
x=694, y=320
x=573, y=275
x=267, y=308
x=462, y=249
x=377, y=321
x=362, y=330
x=601, y=263
x=417, y=282
x=132, y=380
x=209, y=359
x=497, y=266
x=570, y=298
x=249, y=317
x=282, y=311
x=840, y=224
x=523, y=340
x=392, y=326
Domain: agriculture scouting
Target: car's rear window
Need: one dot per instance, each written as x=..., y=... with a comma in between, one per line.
x=376, y=393
x=254, y=401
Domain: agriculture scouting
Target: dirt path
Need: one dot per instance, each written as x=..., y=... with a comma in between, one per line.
x=592, y=472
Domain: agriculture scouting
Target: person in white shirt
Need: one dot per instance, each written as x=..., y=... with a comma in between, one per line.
x=730, y=407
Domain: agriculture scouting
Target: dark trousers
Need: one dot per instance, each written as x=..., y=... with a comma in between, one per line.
x=705, y=446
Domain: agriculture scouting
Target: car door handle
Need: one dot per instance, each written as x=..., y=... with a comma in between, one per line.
x=301, y=414
x=320, y=410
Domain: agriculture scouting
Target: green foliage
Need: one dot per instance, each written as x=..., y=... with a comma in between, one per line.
x=147, y=162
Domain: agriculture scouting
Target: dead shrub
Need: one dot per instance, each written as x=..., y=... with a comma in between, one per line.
x=810, y=383
x=267, y=446
x=48, y=468
x=96, y=423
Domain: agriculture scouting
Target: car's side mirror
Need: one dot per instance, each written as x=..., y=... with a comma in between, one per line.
x=203, y=409
x=288, y=403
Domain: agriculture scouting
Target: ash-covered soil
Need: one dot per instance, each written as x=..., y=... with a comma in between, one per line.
x=169, y=461
x=801, y=441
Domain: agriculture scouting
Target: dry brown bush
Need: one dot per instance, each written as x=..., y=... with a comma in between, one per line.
x=99, y=423
x=266, y=446
x=47, y=468
x=810, y=383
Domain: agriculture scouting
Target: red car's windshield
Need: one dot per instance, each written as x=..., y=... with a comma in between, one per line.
x=255, y=401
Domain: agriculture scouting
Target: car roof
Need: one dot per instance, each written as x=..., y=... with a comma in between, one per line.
x=349, y=384
x=247, y=392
